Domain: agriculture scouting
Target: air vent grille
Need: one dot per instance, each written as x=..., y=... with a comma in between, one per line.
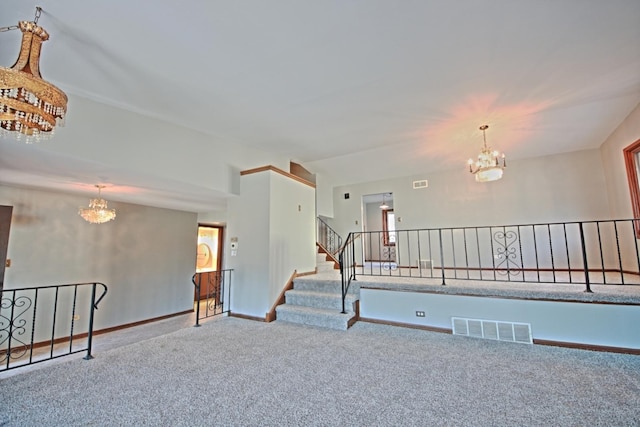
x=420, y=184
x=492, y=330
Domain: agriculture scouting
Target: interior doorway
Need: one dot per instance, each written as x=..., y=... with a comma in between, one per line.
x=5, y=225
x=209, y=260
x=378, y=220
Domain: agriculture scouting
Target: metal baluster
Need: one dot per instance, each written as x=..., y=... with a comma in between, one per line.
x=553, y=265
x=33, y=324
x=479, y=257
x=73, y=315
x=566, y=247
x=535, y=249
x=430, y=252
x=506, y=252
x=604, y=276
x=453, y=252
x=397, y=253
x=230, y=284
x=466, y=254
x=633, y=226
x=419, y=255
x=584, y=259
x=615, y=227
x=353, y=256
x=493, y=254
x=520, y=248
x=53, y=326
x=441, y=255
x=9, y=339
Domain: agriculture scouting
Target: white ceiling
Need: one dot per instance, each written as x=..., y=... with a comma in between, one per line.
x=359, y=90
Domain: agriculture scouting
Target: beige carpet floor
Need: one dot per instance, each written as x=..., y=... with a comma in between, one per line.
x=238, y=372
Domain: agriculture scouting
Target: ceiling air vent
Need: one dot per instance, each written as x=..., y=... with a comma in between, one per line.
x=420, y=184
x=492, y=330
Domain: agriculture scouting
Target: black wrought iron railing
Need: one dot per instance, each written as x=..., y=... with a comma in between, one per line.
x=348, y=264
x=212, y=293
x=47, y=322
x=585, y=252
x=328, y=238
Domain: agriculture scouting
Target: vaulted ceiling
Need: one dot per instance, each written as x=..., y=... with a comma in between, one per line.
x=357, y=90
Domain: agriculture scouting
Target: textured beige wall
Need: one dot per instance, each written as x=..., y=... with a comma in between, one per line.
x=613, y=164
x=146, y=256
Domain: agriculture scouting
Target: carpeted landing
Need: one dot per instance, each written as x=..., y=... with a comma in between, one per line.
x=237, y=372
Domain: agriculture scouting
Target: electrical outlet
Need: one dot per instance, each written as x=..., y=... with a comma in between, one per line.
x=76, y=317
x=420, y=314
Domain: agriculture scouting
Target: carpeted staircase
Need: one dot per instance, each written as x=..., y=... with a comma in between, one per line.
x=316, y=299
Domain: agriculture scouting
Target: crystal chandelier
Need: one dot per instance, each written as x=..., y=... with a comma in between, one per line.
x=30, y=108
x=97, y=212
x=490, y=164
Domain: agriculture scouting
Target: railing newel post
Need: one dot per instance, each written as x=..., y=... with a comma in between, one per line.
x=91, y=314
x=197, y=285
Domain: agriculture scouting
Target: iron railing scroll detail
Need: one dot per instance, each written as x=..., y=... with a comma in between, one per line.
x=212, y=293
x=602, y=252
x=47, y=322
x=328, y=237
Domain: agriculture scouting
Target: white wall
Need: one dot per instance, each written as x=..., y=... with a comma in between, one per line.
x=595, y=324
x=248, y=222
x=213, y=217
x=180, y=154
x=146, y=256
x=292, y=240
x=563, y=187
x=613, y=162
x=274, y=222
x=324, y=196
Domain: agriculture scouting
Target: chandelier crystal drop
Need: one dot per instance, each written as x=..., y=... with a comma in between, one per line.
x=490, y=164
x=97, y=212
x=30, y=107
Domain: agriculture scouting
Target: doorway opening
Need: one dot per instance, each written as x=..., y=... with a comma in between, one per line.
x=379, y=225
x=209, y=261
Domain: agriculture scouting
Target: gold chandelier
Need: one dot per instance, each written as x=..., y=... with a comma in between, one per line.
x=97, y=212
x=30, y=108
x=490, y=164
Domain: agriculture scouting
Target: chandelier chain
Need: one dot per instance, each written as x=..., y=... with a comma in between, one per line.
x=38, y=13
x=4, y=29
x=15, y=27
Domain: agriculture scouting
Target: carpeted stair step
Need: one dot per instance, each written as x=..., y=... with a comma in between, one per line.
x=319, y=299
x=308, y=283
x=323, y=265
x=322, y=317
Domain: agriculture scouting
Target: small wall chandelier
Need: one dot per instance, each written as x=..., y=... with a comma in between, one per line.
x=490, y=164
x=30, y=108
x=97, y=212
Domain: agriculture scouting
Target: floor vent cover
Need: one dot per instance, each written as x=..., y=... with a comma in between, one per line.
x=492, y=330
